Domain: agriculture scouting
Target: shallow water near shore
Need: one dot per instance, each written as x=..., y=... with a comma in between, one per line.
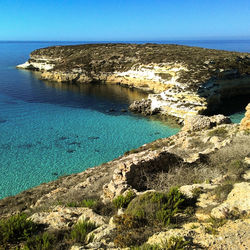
x=48, y=129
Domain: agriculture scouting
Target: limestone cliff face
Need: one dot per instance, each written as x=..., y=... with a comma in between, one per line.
x=182, y=80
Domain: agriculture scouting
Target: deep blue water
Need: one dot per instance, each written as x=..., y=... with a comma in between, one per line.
x=51, y=129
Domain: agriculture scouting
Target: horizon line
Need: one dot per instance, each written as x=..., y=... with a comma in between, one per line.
x=124, y=41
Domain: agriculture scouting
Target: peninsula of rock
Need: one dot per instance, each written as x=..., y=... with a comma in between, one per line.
x=182, y=81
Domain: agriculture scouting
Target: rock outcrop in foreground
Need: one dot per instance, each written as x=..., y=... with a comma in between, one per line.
x=133, y=203
x=245, y=123
x=184, y=80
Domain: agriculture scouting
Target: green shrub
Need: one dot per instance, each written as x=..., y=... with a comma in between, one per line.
x=157, y=207
x=16, y=229
x=131, y=237
x=235, y=214
x=72, y=204
x=125, y=239
x=123, y=201
x=41, y=242
x=80, y=231
x=127, y=221
x=130, y=231
x=84, y=203
x=88, y=203
x=176, y=243
x=215, y=223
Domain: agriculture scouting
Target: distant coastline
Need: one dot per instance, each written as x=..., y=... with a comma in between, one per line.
x=239, y=45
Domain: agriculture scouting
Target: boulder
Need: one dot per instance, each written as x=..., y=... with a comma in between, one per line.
x=143, y=106
x=64, y=217
x=237, y=200
x=89, y=215
x=245, y=122
x=189, y=190
x=200, y=122
x=103, y=234
x=59, y=218
x=220, y=119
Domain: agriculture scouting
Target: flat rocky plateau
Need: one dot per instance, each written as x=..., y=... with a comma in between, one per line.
x=182, y=80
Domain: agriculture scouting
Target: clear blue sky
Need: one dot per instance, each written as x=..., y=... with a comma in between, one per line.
x=113, y=20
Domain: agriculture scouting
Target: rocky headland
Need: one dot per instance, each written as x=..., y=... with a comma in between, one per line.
x=182, y=80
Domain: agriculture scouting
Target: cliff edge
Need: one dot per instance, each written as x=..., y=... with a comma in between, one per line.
x=182, y=80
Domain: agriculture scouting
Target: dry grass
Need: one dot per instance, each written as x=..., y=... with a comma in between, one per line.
x=237, y=150
x=179, y=176
x=226, y=161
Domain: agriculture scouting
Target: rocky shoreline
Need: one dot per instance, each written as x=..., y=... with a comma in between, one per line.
x=184, y=80
x=209, y=161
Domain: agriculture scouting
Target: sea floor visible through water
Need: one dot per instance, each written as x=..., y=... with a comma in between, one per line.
x=48, y=129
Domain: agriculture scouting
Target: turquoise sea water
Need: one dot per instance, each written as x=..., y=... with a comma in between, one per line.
x=50, y=129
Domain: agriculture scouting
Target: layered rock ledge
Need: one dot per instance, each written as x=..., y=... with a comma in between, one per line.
x=182, y=80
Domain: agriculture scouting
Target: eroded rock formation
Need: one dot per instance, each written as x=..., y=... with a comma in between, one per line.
x=184, y=80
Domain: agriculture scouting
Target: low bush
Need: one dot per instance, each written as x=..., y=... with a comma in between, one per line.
x=42, y=242
x=84, y=203
x=122, y=201
x=130, y=231
x=107, y=209
x=156, y=207
x=132, y=237
x=128, y=221
x=80, y=231
x=215, y=223
x=17, y=228
x=176, y=243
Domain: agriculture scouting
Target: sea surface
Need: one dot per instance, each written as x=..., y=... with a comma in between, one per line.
x=49, y=129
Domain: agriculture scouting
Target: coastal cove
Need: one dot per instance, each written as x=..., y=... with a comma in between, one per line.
x=53, y=129
x=49, y=130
